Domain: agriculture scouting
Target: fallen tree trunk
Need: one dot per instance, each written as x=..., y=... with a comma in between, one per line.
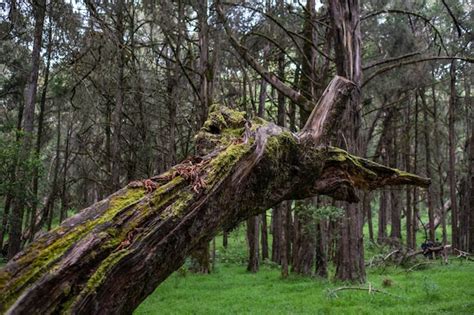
x=110, y=256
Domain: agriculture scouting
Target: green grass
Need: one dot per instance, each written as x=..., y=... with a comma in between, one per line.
x=439, y=289
x=435, y=289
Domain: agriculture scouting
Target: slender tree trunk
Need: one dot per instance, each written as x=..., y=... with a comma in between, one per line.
x=203, y=62
x=225, y=239
x=416, y=213
x=39, y=135
x=64, y=201
x=264, y=236
x=276, y=234
x=252, y=239
x=440, y=191
x=395, y=220
x=452, y=156
x=407, y=160
x=284, y=239
x=471, y=190
x=470, y=209
x=16, y=216
x=368, y=211
x=429, y=196
x=382, y=224
x=119, y=97
x=321, y=245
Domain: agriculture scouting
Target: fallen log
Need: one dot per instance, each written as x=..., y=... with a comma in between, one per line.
x=110, y=256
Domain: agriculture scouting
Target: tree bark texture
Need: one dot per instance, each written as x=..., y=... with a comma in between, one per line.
x=110, y=256
x=345, y=21
x=252, y=239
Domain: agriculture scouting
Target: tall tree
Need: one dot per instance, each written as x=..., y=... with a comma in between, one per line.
x=345, y=20
x=16, y=216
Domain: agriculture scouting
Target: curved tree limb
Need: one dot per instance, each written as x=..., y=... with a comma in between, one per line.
x=410, y=62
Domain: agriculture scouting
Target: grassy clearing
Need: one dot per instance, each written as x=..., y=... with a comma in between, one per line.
x=435, y=289
x=439, y=289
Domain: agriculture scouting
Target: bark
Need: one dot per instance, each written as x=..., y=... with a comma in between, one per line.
x=415, y=212
x=382, y=230
x=468, y=101
x=368, y=212
x=284, y=238
x=225, y=239
x=305, y=239
x=16, y=216
x=201, y=259
x=471, y=192
x=438, y=155
x=204, y=69
x=110, y=256
x=345, y=20
x=276, y=233
x=321, y=245
x=39, y=134
x=264, y=236
x=252, y=241
x=395, y=219
x=119, y=97
x=429, y=197
x=452, y=157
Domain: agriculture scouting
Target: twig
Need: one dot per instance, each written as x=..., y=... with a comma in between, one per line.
x=390, y=254
x=463, y=254
x=370, y=289
x=419, y=264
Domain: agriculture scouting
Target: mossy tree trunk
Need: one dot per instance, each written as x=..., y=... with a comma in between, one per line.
x=110, y=256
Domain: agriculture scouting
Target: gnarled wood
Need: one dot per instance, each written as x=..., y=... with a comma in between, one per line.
x=110, y=256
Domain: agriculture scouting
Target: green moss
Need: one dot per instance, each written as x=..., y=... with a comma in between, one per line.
x=279, y=144
x=41, y=256
x=234, y=118
x=176, y=209
x=215, y=122
x=106, y=265
x=226, y=160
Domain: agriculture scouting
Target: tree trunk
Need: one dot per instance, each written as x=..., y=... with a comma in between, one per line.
x=276, y=233
x=321, y=245
x=119, y=96
x=396, y=212
x=284, y=238
x=345, y=20
x=201, y=259
x=368, y=212
x=39, y=134
x=252, y=241
x=204, y=70
x=415, y=211
x=225, y=239
x=382, y=224
x=110, y=256
x=471, y=191
x=16, y=216
x=264, y=236
x=438, y=155
x=429, y=193
x=305, y=240
x=452, y=157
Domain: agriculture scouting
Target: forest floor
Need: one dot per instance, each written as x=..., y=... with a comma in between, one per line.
x=439, y=289
x=433, y=288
